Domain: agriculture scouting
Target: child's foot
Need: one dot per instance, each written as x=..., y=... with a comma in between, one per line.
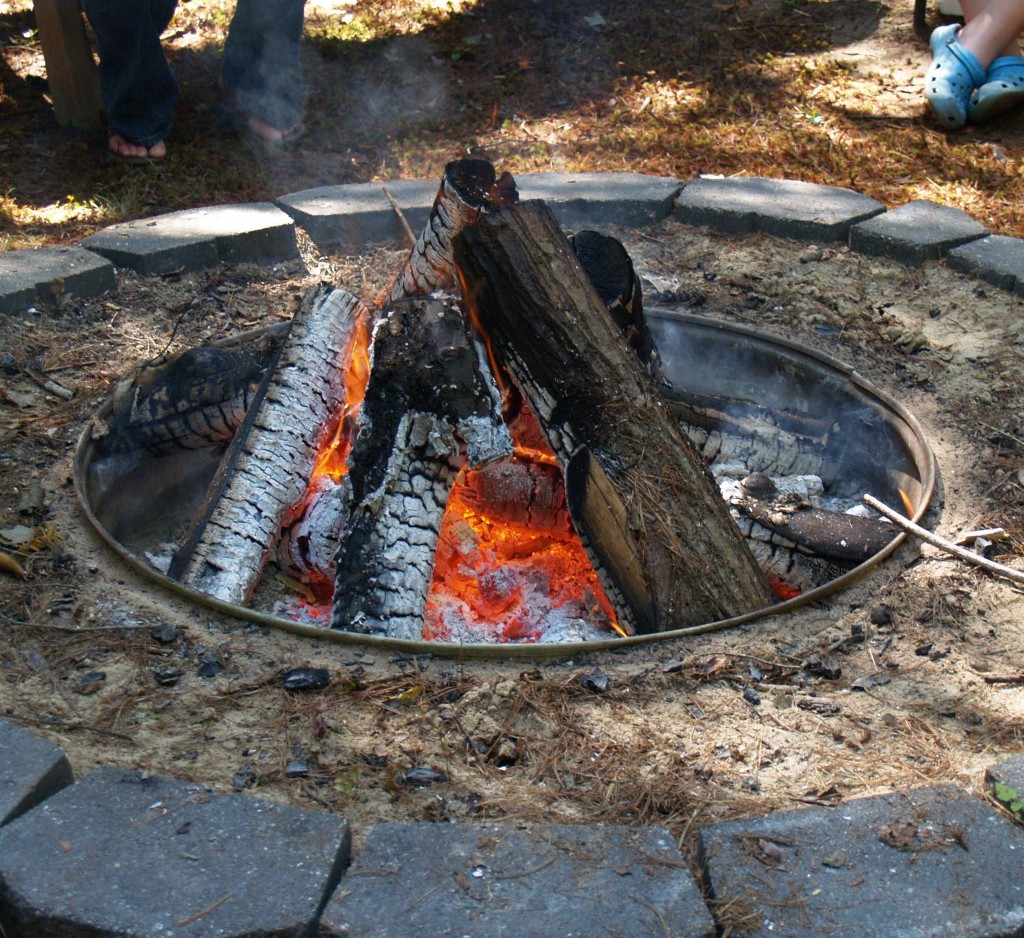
x=127, y=150
x=952, y=77
x=1002, y=90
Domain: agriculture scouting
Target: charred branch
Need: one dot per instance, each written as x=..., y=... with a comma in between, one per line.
x=647, y=510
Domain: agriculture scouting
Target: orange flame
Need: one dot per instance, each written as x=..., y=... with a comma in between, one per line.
x=333, y=458
x=470, y=306
x=907, y=503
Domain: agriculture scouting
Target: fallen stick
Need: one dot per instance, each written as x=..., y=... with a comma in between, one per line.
x=406, y=227
x=47, y=383
x=969, y=555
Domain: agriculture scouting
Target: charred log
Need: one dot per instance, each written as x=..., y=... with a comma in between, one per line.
x=196, y=400
x=268, y=468
x=647, y=510
x=469, y=189
x=610, y=269
x=430, y=408
x=831, y=535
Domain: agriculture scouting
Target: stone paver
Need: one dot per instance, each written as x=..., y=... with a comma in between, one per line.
x=41, y=275
x=31, y=769
x=578, y=200
x=915, y=232
x=782, y=207
x=349, y=218
x=1005, y=782
x=254, y=232
x=931, y=862
x=122, y=854
x=509, y=881
x=997, y=259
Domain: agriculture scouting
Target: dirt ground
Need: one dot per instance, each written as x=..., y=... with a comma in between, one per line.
x=923, y=659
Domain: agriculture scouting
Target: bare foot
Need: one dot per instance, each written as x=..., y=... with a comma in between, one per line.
x=265, y=131
x=134, y=151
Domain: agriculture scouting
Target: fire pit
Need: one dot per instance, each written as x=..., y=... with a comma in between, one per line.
x=725, y=383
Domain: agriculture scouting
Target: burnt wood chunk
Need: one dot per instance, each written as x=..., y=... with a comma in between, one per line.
x=431, y=407
x=196, y=400
x=267, y=470
x=469, y=188
x=648, y=512
x=610, y=268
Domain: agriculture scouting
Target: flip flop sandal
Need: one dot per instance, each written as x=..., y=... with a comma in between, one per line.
x=1002, y=90
x=951, y=78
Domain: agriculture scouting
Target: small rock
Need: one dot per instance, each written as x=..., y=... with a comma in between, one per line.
x=306, y=679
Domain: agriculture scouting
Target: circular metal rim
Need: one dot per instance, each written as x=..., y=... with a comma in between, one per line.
x=922, y=453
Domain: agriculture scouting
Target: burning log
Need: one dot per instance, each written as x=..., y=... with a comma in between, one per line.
x=469, y=189
x=267, y=469
x=431, y=407
x=648, y=512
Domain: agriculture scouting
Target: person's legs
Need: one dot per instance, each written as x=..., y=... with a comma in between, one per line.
x=262, y=70
x=991, y=34
x=992, y=28
x=139, y=89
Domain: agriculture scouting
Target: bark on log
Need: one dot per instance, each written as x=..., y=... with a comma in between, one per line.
x=469, y=188
x=267, y=471
x=648, y=512
x=431, y=406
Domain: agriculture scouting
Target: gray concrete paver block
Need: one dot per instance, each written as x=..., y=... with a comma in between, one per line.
x=513, y=881
x=31, y=769
x=916, y=232
x=192, y=239
x=123, y=854
x=354, y=216
x=782, y=207
x=997, y=259
x=933, y=862
x=1005, y=782
x=40, y=275
x=579, y=200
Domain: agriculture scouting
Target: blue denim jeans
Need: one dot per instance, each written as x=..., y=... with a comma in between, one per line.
x=138, y=86
x=261, y=71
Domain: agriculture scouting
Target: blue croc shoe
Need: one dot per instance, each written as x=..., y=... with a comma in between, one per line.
x=1003, y=89
x=951, y=78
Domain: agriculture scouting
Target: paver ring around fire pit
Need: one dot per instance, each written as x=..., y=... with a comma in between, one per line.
x=868, y=439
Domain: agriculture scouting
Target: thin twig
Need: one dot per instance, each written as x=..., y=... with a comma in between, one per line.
x=654, y=911
x=206, y=911
x=529, y=872
x=409, y=233
x=969, y=555
x=47, y=383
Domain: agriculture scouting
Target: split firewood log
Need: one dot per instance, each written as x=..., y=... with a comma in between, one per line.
x=647, y=511
x=269, y=465
x=469, y=189
x=431, y=407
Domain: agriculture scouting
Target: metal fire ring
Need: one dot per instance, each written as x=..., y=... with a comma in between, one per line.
x=786, y=356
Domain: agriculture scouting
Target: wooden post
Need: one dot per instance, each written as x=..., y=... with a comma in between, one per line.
x=70, y=68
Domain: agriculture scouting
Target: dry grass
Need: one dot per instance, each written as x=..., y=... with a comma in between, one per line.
x=820, y=90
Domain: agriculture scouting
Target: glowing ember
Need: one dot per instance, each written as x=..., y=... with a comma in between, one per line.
x=507, y=582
